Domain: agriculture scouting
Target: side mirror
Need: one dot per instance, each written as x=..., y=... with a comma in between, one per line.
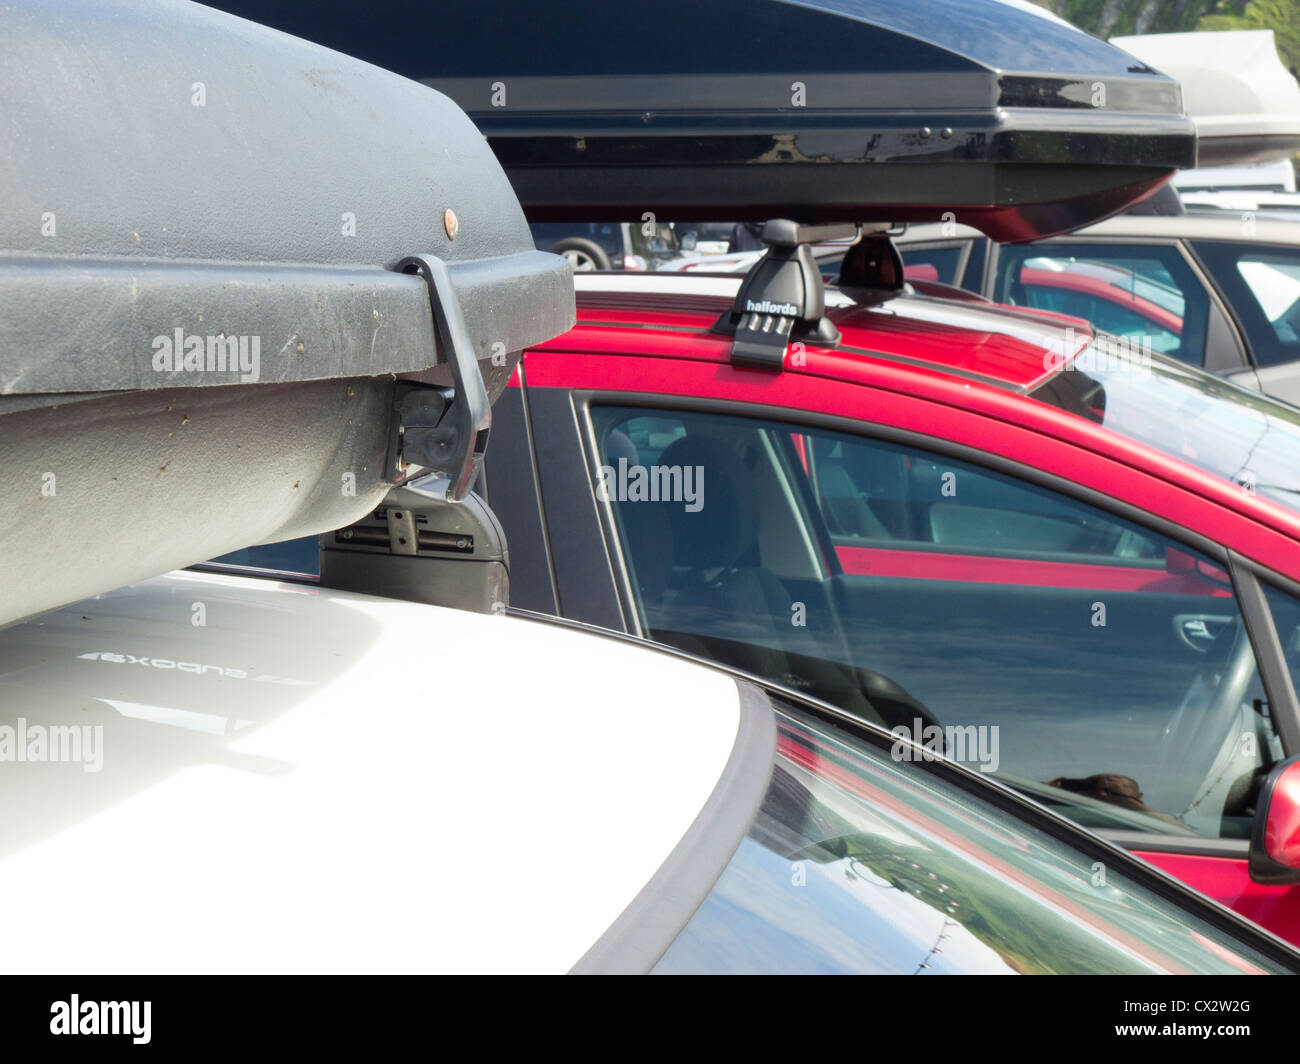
x=1275, y=842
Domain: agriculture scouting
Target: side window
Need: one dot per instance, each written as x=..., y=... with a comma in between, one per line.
x=1286, y=618
x=1090, y=662
x=1262, y=285
x=1145, y=294
x=931, y=263
x=871, y=492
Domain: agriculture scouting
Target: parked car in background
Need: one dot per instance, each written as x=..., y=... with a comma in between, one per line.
x=607, y=245
x=705, y=238
x=1219, y=292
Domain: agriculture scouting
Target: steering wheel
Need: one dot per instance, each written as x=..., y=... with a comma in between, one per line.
x=1195, y=733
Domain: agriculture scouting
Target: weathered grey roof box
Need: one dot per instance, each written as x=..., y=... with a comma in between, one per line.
x=246, y=284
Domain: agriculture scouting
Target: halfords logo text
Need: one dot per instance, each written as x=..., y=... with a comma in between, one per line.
x=929, y=742
x=638, y=483
x=766, y=306
x=179, y=353
x=69, y=743
x=1105, y=354
x=102, y=1017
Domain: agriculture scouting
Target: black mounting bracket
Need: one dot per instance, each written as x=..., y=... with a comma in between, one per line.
x=439, y=435
x=782, y=299
x=872, y=263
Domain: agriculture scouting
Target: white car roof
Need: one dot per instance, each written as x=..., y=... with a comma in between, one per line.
x=320, y=781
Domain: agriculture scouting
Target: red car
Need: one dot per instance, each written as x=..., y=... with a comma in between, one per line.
x=986, y=529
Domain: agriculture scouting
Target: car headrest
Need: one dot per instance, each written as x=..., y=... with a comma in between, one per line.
x=725, y=528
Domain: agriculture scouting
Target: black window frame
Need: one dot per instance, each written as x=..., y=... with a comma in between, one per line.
x=1219, y=259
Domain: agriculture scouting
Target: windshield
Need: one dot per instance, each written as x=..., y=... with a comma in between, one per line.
x=857, y=863
x=1239, y=434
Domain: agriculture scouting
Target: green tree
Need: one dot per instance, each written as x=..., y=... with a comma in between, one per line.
x=1113, y=18
x=1280, y=16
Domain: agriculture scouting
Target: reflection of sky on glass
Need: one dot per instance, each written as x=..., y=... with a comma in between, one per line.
x=756, y=920
x=931, y=881
x=1212, y=423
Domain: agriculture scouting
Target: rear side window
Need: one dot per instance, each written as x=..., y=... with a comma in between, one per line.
x=931, y=264
x=1147, y=295
x=1286, y=618
x=1087, y=660
x=1262, y=286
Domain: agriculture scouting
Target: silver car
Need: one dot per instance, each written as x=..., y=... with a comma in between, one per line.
x=1218, y=290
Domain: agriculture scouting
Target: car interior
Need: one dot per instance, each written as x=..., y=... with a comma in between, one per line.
x=1094, y=659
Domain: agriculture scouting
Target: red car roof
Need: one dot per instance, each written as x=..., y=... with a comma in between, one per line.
x=968, y=359
x=999, y=346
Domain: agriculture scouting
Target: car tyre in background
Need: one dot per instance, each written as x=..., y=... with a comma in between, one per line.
x=582, y=255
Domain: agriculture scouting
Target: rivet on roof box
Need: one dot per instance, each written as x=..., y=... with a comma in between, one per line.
x=834, y=111
x=231, y=311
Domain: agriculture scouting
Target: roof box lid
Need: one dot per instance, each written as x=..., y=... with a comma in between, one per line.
x=1245, y=103
x=172, y=175
x=834, y=110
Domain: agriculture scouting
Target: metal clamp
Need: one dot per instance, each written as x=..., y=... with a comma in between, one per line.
x=444, y=429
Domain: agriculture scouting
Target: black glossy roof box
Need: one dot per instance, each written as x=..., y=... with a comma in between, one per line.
x=835, y=110
x=246, y=284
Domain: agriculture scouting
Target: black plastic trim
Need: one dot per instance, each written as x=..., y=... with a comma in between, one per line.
x=1269, y=655
x=920, y=363
x=1181, y=844
x=513, y=492
x=583, y=570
